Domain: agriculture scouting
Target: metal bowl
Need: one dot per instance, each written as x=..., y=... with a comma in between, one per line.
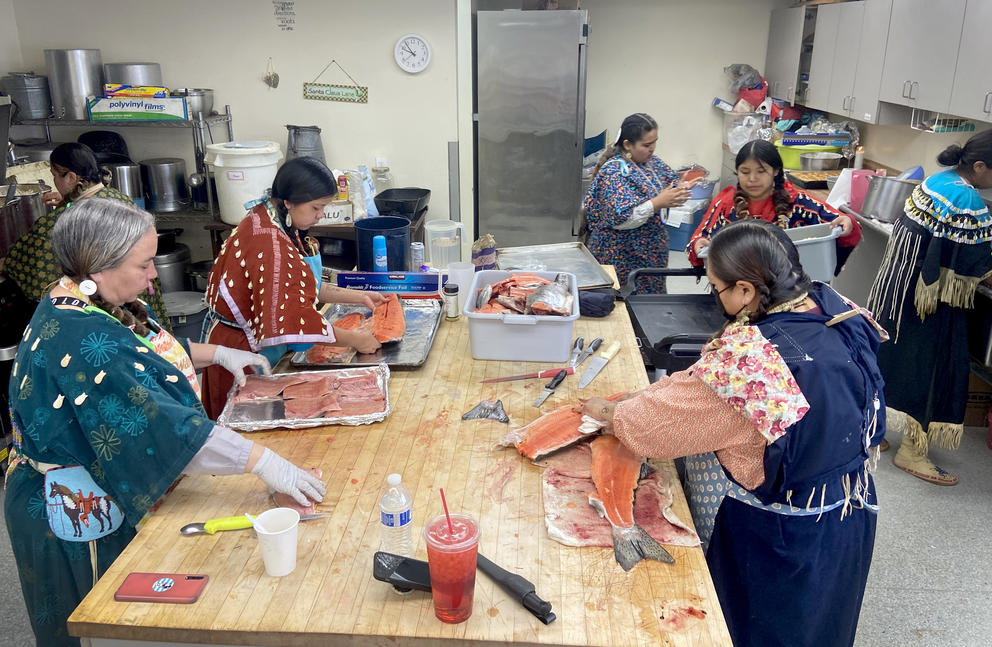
x=819, y=161
x=197, y=100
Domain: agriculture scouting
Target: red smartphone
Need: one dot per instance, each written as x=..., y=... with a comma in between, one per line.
x=178, y=588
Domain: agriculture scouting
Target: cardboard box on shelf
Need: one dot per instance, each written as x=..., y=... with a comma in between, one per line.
x=979, y=401
x=137, y=109
x=338, y=212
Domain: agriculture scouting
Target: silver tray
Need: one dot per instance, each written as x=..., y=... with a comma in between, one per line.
x=268, y=413
x=423, y=316
x=558, y=257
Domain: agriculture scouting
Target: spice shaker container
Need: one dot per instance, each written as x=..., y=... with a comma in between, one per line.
x=451, y=301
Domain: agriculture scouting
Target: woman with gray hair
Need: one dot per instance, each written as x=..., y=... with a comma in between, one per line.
x=107, y=403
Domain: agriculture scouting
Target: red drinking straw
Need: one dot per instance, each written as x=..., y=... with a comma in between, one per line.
x=451, y=528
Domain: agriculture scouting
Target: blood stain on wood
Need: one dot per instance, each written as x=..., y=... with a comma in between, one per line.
x=493, y=612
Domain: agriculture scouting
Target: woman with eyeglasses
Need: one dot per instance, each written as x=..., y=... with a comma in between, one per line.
x=629, y=188
x=790, y=397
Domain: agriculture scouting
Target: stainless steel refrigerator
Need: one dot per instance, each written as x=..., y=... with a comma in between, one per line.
x=530, y=110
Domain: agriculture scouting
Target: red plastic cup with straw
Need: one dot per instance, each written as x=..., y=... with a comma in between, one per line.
x=452, y=549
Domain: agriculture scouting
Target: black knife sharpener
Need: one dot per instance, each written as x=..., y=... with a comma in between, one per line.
x=406, y=573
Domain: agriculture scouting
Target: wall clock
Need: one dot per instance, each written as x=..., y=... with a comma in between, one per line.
x=412, y=53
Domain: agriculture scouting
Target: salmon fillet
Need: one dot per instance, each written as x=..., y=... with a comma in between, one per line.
x=310, y=389
x=549, y=433
x=263, y=386
x=388, y=320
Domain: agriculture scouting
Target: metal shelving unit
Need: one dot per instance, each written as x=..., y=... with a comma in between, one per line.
x=200, y=128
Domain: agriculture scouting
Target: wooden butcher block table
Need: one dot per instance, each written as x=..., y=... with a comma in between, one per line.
x=331, y=597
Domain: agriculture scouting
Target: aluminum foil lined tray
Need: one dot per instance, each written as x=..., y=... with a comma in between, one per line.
x=559, y=257
x=423, y=316
x=269, y=412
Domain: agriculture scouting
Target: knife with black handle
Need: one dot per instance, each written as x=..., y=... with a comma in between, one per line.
x=406, y=573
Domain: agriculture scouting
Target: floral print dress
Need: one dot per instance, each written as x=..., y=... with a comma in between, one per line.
x=614, y=193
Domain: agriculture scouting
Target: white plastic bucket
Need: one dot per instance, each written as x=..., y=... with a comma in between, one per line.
x=243, y=171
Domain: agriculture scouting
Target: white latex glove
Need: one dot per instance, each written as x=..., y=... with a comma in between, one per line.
x=282, y=476
x=236, y=360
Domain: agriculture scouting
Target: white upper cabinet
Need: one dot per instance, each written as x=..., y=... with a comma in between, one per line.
x=972, y=93
x=785, y=39
x=921, y=53
x=863, y=104
x=822, y=69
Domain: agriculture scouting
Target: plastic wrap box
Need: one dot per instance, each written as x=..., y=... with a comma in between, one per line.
x=520, y=338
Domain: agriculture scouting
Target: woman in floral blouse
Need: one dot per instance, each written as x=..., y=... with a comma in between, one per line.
x=629, y=188
x=789, y=396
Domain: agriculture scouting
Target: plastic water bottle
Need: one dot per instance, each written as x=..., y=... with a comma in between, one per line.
x=396, y=518
x=380, y=261
x=381, y=176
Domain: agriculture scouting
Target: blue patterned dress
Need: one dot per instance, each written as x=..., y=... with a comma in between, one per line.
x=614, y=193
x=85, y=390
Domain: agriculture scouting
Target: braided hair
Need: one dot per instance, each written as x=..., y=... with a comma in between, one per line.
x=302, y=179
x=763, y=255
x=632, y=130
x=765, y=153
x=80, y=159
x=97, y=234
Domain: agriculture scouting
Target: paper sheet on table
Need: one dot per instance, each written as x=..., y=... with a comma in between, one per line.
x=840, y=195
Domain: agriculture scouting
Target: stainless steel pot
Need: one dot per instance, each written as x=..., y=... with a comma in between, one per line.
x=126, y=178
x=886, y=197
x=197, y=100
x=819, y=161
x=304, y=141
x=172, y=267
x=133, y=73
x=73, y=75
x=30, y=93
x=20, y=214
x=164, y=179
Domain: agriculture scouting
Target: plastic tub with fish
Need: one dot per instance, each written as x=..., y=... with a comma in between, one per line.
x=509, y=335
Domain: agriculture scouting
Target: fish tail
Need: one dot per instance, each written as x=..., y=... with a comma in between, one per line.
x=631, y=545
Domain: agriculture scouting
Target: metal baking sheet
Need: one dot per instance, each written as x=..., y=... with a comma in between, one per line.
x=423, y=316
x=558, y=257
x=269, y=413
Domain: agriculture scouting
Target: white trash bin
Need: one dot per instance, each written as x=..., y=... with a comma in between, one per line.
x=243, y=171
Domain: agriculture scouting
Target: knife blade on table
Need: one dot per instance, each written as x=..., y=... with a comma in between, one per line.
x=550, y=387
x=406, y=573
x=596, y=364
x=590, y=349
x=526, y=376
x=576, y=350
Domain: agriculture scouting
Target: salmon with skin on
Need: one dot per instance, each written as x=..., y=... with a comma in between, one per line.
x=615, y=473
x=552, y=431
x=388, y=320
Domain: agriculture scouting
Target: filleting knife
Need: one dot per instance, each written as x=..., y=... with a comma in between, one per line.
x=550, y=387
x=596, y=364
x=590, y=349
x=576, y=350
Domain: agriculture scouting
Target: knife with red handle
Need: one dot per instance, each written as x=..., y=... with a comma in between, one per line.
x=551, y=372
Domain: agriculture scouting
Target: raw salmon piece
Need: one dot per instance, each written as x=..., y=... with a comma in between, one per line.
x=551, y=432
x=330, y=354
x=615, y=473
x=350, y=321
x=264, y=386
x=573, y=522
x=356, y=406
x=388, y=320
x=304, y=407
x=309, y=389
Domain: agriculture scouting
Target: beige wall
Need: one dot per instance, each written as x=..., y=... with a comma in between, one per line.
x=10, y=47
x=225, y=44
x=666, y=58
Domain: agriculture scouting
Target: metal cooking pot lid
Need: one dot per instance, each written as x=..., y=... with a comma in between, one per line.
x=184, y=304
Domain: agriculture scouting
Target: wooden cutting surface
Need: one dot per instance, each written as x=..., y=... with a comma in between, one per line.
x=331, y=597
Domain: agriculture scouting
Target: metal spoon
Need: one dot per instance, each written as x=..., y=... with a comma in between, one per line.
x=230, y=523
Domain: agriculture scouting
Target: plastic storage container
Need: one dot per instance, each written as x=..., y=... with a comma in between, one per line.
x=790, y=154
x=243, y=171
x=396, y=517
x=522, y=338
x=816, y=247
x=186, y=313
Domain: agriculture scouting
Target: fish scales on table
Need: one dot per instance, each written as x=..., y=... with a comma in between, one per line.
x=553, y=431
x=616, y=472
